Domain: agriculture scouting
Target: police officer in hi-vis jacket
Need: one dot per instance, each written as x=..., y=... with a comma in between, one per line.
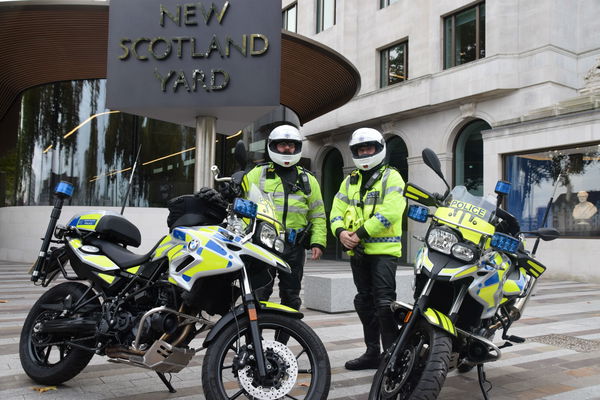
x=299, y=206
x=366, y=216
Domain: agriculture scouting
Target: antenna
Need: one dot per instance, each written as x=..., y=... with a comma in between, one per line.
x=131, y=178
x=545, y=218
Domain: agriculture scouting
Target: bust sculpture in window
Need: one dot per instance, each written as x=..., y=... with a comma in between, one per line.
x=584, y=210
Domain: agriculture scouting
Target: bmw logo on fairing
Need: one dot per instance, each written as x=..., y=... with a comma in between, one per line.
x=193, y=245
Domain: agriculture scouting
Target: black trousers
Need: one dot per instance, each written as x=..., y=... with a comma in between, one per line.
x=375, y=280
x=289, y=284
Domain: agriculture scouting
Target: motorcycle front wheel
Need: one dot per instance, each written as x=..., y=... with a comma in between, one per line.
x=297, y=363
x=420, y=367
x=45, y=358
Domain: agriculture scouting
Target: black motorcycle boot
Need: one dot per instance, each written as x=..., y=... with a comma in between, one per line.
x=369, y=360
x=389, y=330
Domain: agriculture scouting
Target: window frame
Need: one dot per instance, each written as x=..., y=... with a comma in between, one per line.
x=321, y=14
x=384, y=56
x=505, y=176
x=285, y=14
x=386, y=3
x=477, y=6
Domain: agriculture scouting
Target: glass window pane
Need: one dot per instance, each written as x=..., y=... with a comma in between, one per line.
x=328, y=13
x=574, y=211
x=65, y=133
x=393, y=68
x=482, y=31
x=448, y=43
x=460, y=36
x=291, y=19
x=468, y=157
x=465, y=37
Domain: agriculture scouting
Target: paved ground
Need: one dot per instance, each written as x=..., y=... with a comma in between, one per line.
x=560, y=360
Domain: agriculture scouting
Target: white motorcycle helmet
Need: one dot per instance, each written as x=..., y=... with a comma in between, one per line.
x=285, y=133
x=367, y=136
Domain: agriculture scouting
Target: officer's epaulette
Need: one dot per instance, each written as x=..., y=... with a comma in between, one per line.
x=308, y=171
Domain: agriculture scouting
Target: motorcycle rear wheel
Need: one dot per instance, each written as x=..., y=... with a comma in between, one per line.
x=421, y=366
x=308, y=377
x=52, y=364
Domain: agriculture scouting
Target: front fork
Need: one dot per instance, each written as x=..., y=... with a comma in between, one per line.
x=410, y=321
x=251, y=309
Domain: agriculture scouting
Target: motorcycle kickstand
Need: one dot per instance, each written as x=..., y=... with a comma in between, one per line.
x=166, y=382
x=482, y=381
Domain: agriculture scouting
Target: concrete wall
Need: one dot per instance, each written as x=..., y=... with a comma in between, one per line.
x=22, y=227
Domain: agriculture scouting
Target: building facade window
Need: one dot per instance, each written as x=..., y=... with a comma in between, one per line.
x=464, y=36
x=290, y=18
x=571, y=176
x=385, y=3
x=468, y=157
x=394, y=64
x=325, y=14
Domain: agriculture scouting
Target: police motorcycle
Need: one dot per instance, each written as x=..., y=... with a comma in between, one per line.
x=473, y=277
x=145, y=310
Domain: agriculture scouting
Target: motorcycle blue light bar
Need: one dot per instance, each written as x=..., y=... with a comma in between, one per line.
x=506, y=243
x=245, y=208
x=418, y=213
x=64, y=189
x=502, y=187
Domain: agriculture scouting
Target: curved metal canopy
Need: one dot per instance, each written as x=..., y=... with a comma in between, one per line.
x=49, y=43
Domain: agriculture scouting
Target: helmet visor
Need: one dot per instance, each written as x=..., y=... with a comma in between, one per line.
x=365, y=149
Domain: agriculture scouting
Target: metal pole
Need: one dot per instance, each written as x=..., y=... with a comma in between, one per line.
x=206, y=136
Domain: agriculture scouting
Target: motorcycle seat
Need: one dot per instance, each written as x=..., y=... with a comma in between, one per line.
x=117, y=229
x=119, y=254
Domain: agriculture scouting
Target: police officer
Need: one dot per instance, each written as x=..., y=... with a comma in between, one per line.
x=366, y=217
x=299, y=206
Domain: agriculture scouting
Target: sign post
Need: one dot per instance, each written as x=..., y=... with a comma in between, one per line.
x=212, y=65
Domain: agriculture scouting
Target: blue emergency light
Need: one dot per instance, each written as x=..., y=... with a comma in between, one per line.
x=245, y=208
x=502, y=187
x=505, y=243
x=418, y=213
x=64, y=189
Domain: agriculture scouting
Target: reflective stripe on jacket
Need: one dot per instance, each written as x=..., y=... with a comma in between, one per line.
x=379, y=211
x=301, y=208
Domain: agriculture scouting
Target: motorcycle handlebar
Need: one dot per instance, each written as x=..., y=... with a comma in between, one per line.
x=215, y=171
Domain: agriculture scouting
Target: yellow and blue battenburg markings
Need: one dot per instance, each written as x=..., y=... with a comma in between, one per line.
x=413, y=193
x=439, y=319
x=471, y=226
x=534, y=268
x=86, y=221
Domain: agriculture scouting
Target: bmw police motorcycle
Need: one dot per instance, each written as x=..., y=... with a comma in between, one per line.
x=473, y=278
x=145, y=310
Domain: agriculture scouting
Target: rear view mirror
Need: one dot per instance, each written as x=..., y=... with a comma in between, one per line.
x=240, y=155
x=432, y=161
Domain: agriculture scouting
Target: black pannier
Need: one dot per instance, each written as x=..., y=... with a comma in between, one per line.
x=207, y=207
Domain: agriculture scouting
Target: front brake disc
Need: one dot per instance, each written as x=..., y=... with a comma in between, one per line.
x=248, y=376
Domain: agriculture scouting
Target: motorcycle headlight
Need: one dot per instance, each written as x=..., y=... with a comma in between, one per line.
x=464, y=252
x=279, y=245
x=267, y=235
x=441, y=240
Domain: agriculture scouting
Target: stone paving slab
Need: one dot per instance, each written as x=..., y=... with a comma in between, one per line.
x=559, y=313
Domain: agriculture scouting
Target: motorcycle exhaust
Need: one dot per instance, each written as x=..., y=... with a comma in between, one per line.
x=516, y=310
x=67, y=325
x=480, y=350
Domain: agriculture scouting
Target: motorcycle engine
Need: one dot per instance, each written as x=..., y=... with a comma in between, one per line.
x=124, y=320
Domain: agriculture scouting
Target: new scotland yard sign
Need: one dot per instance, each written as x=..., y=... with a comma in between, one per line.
x=176, y=61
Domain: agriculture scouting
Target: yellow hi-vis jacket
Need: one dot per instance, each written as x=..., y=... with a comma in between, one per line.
x=295, y=210
x=377, y=216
